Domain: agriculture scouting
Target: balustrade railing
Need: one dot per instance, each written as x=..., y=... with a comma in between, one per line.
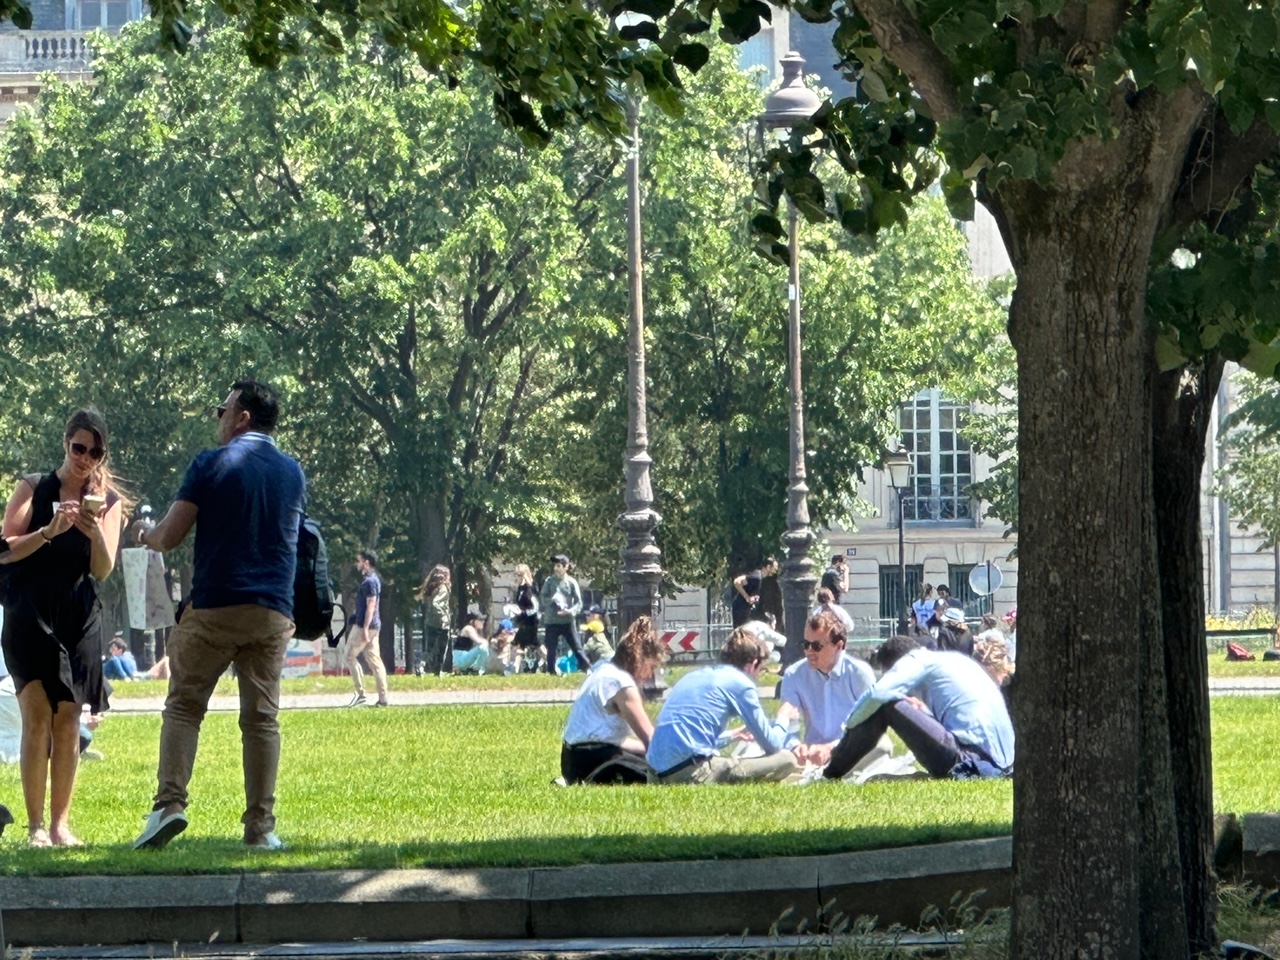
x=37, y=51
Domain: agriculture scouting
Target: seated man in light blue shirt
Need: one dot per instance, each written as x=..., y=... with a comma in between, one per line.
x=690, y=729
x=822, y=689
x=942, y=704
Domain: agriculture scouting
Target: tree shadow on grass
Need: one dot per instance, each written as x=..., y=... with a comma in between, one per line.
x=206, y=855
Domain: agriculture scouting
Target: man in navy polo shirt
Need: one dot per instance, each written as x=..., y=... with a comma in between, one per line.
x=245, y=500
x=362, y=638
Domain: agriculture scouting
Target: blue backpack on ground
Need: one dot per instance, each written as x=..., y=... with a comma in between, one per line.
x=312, y=592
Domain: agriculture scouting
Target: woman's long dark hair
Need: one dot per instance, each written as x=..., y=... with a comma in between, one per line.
x=438, y=575
x=101, y=480
x=639, y=647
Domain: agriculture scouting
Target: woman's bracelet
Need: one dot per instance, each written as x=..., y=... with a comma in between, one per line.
x=44, y=538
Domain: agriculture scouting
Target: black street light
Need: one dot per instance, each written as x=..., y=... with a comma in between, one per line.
x=791, y=104
x=898, y=464
x=641, y=570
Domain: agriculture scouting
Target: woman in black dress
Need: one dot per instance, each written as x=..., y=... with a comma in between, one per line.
x=52, y=639
x=526, y=619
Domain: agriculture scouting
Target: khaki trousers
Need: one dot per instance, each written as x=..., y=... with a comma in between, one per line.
x=200, y=649
x=772, y=768
x=372, y=656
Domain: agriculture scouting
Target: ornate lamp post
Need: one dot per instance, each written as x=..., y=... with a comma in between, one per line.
x=789, y=105
x=641, y=570
x=898, y=464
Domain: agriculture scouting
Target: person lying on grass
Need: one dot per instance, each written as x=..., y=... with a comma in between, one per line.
x=607, y=720
x=690, y=728
x=942, y=704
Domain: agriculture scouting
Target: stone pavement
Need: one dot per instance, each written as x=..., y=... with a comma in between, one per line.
x=399, y=698
x=1218, y=686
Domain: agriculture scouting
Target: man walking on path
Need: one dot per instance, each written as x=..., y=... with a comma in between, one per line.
x=363, y=635
x=245, y=500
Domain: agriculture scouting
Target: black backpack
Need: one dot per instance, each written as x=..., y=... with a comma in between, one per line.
x=312, y=592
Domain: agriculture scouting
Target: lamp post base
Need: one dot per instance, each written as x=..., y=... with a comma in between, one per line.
x=798, y=580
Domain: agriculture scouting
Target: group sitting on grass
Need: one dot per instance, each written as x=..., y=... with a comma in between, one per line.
x=948, y=708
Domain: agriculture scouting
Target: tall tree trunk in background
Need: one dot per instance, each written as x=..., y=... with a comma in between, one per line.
x=1096, y=851
x=433, y=543
x=1183, y=405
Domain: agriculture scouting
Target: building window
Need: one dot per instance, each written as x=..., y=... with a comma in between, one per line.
x=103, y=14
x=942, y=463
x=892, y=601
x=759, y=52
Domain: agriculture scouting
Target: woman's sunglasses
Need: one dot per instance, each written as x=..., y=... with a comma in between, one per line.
x=79, y=449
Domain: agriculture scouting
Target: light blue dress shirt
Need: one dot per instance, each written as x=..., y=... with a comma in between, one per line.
x=825, y=700
x=696, y=711
x=957, y=692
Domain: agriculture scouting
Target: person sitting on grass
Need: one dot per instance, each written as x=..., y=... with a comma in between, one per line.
x=595, y=642
x=941, y=703
x=821, y=690
x=470, y=649
x=119, y=664
x=607, y=722
x=690, y=729
x=502, y=650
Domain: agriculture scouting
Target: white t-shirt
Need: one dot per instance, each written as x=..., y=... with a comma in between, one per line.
x=589, y=720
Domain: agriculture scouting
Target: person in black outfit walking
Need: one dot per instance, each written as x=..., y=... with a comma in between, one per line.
x=746, y=592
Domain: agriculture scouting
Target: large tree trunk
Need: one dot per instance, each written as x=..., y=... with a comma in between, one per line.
x=1183, y=405
x=1096, y=865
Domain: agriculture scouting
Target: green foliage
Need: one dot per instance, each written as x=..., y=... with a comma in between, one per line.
x=444, y=308
x=1247, y=479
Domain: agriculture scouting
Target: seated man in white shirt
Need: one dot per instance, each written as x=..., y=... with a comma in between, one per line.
x=821, y=690
x=942, y=704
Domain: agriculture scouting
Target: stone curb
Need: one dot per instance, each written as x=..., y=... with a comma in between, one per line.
x=702, y=898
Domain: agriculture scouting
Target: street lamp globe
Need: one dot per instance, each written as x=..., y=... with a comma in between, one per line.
x=792, y=103
x=898, y=464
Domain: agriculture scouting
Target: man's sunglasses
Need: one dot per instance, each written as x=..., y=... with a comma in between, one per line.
x=814, y=645
x=96, y=453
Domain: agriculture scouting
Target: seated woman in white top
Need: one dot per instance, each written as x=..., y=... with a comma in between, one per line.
x=608, y=719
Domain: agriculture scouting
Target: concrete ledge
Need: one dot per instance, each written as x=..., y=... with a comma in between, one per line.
x=701, y=898
x=78, y=910
x=897, y=885
x=1260, y=858
x=698, y=898
x=384, y=905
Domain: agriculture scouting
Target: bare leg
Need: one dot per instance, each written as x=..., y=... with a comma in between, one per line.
x=62, y=773
x=37, y=721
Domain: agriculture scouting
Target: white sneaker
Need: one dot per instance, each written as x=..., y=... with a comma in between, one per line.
x=267, y=842
x=358, y=700
x=160, y=829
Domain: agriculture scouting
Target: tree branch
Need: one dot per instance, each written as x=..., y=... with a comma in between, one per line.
x=913, y=52
x=1218, y=161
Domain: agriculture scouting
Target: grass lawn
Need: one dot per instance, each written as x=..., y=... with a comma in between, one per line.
x=470, y=786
